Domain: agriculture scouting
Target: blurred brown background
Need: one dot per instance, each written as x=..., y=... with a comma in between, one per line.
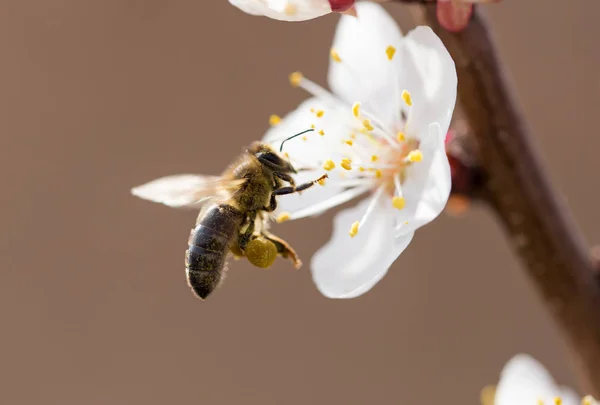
x=97, y=96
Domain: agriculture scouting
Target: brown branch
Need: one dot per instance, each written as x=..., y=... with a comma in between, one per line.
x=518, y=190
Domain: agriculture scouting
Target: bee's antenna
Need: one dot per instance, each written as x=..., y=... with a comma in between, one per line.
x=292, y=137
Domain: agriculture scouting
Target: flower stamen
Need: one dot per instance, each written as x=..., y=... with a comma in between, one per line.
x=346, y=163
x=284, y=216
x=356, y=109
x=398, y=202
x=335, y=56
x=407, y=98
x=274, y=120
x=390, y=51
x=414, y=156
x=354, y=229
x=328, y=165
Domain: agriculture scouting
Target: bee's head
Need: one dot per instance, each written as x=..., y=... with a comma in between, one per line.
x=270, y=159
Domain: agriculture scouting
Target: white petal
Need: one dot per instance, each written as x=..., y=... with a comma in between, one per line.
x=429, y=74
x=347, y=267
x=285, y=10
x=428, y=183
x=301, y=207
x=365, y=73
x=524, y=381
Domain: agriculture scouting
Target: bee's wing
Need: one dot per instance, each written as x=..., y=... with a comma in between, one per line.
x=184, y=190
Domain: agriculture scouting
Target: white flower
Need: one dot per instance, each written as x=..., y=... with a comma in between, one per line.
x=524, y=381
x=383, y=128
x=294, y=10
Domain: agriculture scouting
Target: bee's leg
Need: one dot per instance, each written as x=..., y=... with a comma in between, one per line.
x=295, y=189
x=283, y=248
x=289, y=190
x=244, y=238
x=285, y=177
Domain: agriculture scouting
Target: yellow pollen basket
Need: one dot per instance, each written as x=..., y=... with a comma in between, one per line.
x=398, y=202
x=274, y=120
x=284, y=216
x=346, y=164
x=328, y=165
x=335, y=56
x=390, y=51
x=415, y=155
x=296, y=79
x=407, y=98
x=356, y=110
x=354, y=229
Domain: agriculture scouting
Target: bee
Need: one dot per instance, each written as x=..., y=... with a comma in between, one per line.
x=235, y=209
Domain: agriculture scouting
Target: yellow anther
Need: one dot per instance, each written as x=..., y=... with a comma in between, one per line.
x=415, y=155
x=296, y=79
x=363, y=130
x=354, y=229
x=320, y=113
x=349, y=142
x=329, y=165
x=274, y=120
x=284, y=216
x=390, y=52
x=287, y=155
x=321, y=181
x=322, y=133
x=346, y=164
x=356, y=109
x=539, y=402
x=374, y=158
x=312, y=126
x=401, y=137
x=361, y=169
x=367, y=125
x=407, y=98
x=487, y=395
x=312, y=110
x=304, y=138
x=558, y=401
x=588, y=400
x=335, y=56
x=290, y=9
x=378, y=174
x=398, y=202
x=353, y=136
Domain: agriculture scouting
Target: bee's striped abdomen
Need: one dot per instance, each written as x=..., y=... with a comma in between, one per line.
x=208, y=247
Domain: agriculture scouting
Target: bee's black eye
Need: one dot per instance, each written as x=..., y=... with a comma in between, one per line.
x=270, y=157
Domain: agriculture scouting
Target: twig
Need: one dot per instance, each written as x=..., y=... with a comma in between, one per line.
x=517, y=188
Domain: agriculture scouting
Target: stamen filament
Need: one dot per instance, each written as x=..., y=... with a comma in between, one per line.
x=371, y=207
